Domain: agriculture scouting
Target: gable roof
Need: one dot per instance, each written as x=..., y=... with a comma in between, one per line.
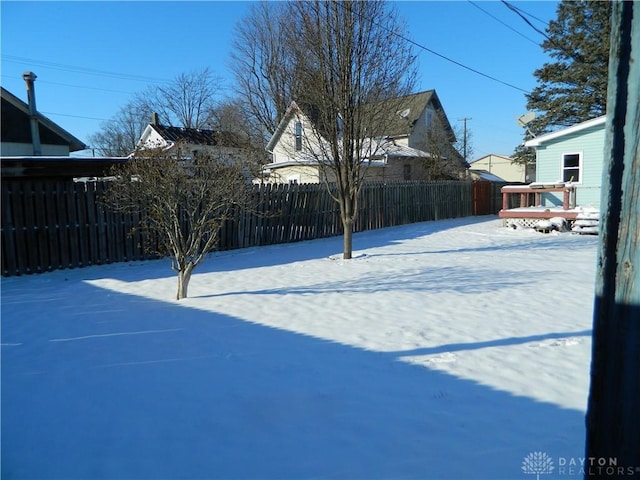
x=16, y=127
x=594, y=122
x=492, y=155
x=282, y=125
x=405, y=111
x=402, y=114
x=195, y=136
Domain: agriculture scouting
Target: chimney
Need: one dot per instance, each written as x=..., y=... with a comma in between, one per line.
x=154, y=119
x=30, y=78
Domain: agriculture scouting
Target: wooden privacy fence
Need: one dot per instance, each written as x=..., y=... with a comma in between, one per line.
x=51, y=224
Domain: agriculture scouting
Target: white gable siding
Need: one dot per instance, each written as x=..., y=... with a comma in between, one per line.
x=590, y=144
x=285, y=149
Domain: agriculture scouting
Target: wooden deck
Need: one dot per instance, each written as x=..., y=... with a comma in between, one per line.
x=531, y=202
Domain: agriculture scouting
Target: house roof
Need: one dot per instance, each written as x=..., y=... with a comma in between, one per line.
x=402, y=115
x=594, y=122
x=196, y=136
x=485, y=175
x=16, y=127
x=403, y=112
x=493, y=155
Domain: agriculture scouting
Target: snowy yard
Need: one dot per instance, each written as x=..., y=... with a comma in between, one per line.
x=449, y=349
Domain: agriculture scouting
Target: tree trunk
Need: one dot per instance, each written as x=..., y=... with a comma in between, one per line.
x=347, y=248
x=613, y=412
x=183, y=281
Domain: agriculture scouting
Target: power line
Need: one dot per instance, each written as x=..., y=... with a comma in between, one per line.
x=74, y=86
x=521, y=13
x=503, y=23
x=73, y=116
x=83, y=70
x=444, y=57
x=459, y=64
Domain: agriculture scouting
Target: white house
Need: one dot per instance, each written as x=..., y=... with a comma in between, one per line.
x=399, y=153
x=188, y=142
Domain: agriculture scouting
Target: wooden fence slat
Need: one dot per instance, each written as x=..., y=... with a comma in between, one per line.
x=9, y=251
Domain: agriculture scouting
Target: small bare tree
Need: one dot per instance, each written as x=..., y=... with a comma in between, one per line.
x=182, y=202
x=352, y=58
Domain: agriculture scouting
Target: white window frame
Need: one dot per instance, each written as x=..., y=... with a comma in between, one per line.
x=563, y=168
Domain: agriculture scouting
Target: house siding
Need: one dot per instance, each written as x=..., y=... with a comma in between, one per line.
x=26, y=149
x=502, y=167
x=590, y=144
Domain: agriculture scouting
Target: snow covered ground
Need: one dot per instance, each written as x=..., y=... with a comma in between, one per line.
x=449, y=349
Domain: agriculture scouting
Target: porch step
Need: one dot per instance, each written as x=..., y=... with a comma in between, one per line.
x=587, y=223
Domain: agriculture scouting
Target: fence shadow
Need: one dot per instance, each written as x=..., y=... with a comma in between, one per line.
x=126, y=387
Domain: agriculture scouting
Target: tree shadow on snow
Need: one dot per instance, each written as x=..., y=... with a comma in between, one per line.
x=278, y=254
x=154, y=390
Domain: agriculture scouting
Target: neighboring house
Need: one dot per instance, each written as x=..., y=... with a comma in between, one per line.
x=572, y=155
x=484, y=175
x=399, y=153
x=500, y=166
x=16, y=136
x=187, y=143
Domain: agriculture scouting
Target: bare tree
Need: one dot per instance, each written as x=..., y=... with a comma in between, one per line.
x=183, y=203
x=234, y=116
x=188, y=101
x=118, y=137
x=263, y=63
x=443, y=142
x=350, y=57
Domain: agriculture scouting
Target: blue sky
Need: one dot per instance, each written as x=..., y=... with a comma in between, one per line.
x=92, y=57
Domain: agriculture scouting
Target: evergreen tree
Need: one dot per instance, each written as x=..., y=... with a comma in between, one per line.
x=573, y=87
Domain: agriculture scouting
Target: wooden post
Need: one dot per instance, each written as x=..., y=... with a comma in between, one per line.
x=613, y=413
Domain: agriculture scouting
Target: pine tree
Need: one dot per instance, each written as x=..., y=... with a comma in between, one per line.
x=573, y=87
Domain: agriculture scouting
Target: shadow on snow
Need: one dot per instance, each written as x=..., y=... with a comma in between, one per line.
x=150, y=390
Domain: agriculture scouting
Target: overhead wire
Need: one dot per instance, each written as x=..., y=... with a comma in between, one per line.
x=521, y=13
x=444, y=57
x=83, y=70
x=503, y=23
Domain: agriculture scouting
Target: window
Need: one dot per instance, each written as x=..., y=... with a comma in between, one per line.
x=571, y=167
x=429, y=118
x=407, y=172
x=298, y=131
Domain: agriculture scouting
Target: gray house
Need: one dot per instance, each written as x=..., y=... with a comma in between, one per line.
x=572, y=155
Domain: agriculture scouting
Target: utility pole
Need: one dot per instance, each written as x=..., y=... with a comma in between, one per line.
x=464, y=138
x=613, y=413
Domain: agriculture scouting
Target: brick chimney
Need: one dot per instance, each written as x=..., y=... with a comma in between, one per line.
x=154, y=119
